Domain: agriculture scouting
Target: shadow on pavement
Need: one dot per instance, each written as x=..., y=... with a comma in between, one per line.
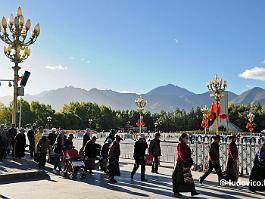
x=228, y=190
x=3, y=197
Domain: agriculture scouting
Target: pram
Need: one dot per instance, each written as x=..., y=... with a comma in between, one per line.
x=73, y=165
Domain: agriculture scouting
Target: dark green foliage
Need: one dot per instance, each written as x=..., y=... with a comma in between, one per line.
x=76, y=115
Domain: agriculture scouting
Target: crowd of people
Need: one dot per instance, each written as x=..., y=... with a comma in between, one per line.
x=43, y=143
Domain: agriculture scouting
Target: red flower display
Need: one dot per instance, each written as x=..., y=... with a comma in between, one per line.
x=140, y=124
x=210, y=116
x=223, y=116
x=248, y=126
x=204, y=124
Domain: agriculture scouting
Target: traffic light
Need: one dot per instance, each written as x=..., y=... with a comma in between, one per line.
x=25, y=78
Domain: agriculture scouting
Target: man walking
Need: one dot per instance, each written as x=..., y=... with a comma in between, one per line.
x=31, y=138
x=90, y=154
x=12, y=132
x=114, y=154
x=139, y=156
x=155, y=151
x=214, y=162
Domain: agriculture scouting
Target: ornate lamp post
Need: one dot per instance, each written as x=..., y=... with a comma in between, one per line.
x=216, y=88
x=156, y=124
x=49, y=119
x=205, y=113
x=140, y=103
x=90, y=123
x=14, y=34
x=251, y=118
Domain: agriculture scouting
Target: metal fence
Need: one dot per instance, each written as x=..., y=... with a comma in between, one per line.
x=200, y=144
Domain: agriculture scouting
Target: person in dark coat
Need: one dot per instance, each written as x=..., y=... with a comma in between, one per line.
x=31, y=139
x=58, y=154
x=3, y=143
x=155, y=151
x=114, y=155
x=214, y=160
x=104, y=155
x=68, y=142
x=52, y=136
x=232, y=171
x=90, y=154
x=20, y=144
x=86, y=137
x=182, y=178
x=257, y=175
x=111, y=135
x=60, y=139
x=42, y=148
x=139, y=156
x=12, y=132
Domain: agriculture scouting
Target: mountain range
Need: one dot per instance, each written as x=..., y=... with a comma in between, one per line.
x=166, y=98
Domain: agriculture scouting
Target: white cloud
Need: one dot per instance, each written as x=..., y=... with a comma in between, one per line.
x=256, y=73
x=177, y=41
x=56, y=67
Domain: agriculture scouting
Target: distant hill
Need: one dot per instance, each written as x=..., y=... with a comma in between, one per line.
x=167, y=98
x=251, y=96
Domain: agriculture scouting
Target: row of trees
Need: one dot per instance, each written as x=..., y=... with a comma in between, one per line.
x=76, y=115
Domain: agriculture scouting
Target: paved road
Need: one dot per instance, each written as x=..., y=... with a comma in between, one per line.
x=96, y=186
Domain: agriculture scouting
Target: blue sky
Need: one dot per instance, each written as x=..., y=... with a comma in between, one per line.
x=136, y=45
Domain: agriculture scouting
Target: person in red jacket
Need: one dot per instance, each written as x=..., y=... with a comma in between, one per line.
x=232, y=158
x=182, y=178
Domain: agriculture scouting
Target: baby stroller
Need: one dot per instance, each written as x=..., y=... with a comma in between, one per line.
x=73, y=165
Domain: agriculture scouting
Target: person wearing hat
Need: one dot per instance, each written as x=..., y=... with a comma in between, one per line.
x=52, y=136
x=86, y=136
x=31, y=135
x=155, y=151
x=232, y=158
x=104, y=155
x=90, y=154
x=20, y=144
x=114, y=155
x=140, y=147
x=214, y=160
x=42, y=148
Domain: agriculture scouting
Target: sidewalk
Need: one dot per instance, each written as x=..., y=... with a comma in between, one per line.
x=14, y=170
x=97, y=186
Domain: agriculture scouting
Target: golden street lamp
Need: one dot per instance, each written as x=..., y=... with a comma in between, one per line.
x=251, y=118
x=14, y=33
x=90, y=123
x=140, y=103
x=216, y=88
x=205, y=114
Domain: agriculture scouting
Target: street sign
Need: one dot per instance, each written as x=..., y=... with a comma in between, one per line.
x=20, y=91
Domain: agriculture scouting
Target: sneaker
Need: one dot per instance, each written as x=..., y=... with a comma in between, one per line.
x=252, y=190
x=112, y=180
x=157, y=172
x=194, y=193
x=177, y=195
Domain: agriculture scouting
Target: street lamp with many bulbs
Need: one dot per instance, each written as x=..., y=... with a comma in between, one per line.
x=14, y=33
